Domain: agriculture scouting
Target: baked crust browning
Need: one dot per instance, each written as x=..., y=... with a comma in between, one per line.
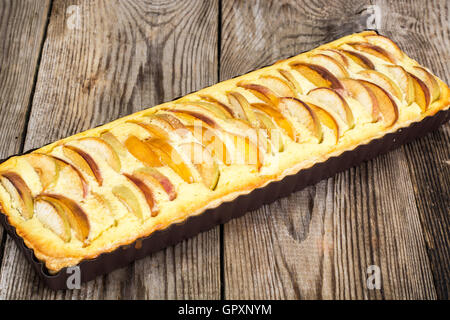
x=93, y=192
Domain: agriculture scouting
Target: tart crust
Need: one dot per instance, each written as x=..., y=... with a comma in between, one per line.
x=195, y=198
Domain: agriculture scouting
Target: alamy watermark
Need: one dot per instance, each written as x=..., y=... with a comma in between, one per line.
x=373, y=281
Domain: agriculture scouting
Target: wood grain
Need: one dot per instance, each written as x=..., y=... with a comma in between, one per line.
x=319, y=242
x=117, y=58
x=422, y=29
x=104, y=59
x=22, y=28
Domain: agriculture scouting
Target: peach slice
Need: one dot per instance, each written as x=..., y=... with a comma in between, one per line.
x=84, y=161
x=327, y=120
x=271, y=129
x=429, y=80
x=53, y=219
x=202, y=160
x=359, y=59
x=330, y=64
x=104, y=150
x=21, y=197
x=317, y=75
x=75, y=215
x=373, y=50
x=330, y=100
x=146, y=191
x=45, y=166
x=304, y=115
x=153, y=177
x=386, y=43
x=261, y=92
x=281, y=121
x=421, y=93
x=239, y=102
x=293, y=83
x=383, y=81
x=168, y=155
x=280, y=86
x=404, y=81
x=335, y=54
x=141, y=151
x=128, y=198
x=387, y=106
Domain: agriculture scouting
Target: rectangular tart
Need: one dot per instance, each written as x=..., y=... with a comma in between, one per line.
x=93, y=192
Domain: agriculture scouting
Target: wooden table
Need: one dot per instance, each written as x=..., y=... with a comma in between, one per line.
x=66, y=66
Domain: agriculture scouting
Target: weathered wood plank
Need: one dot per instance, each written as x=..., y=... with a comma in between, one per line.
x=119, y=57
x=22, y=28
x=318, y=243
x=423, y=30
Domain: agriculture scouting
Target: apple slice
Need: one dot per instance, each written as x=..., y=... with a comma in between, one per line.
x=293, y=83
x=84, y=161
x=373, y=50
x=359, y=59
x=238, y=102
x=335, y=54
x=114, y=143
x=53, y=219
x=45, y=166
x=154, y=177
x=75, y=215
x=171, y=120
x=21, y=197
x=317, y=75
x=356, y=90
x=154, y=130
x=188, y=115
x=304, y=115
x=168, y=155
x=383, y=81
x=281, y=121
x=404, y=81
x=261, y=92
x=272, y=130
x=102, y=149
x=141, y=151
x=218, y=103
x=202, y=160
x=146, y=191
x=327, y=120
x=208, y=106
x=387, y=44
x=429, y=80
x=129, y=200
x=330, y=100
x=211, y=141
x=280, y=86
x=73, y=176
x=387, y=106
x=106, y=204
x=330, y=64
x=421, y=93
